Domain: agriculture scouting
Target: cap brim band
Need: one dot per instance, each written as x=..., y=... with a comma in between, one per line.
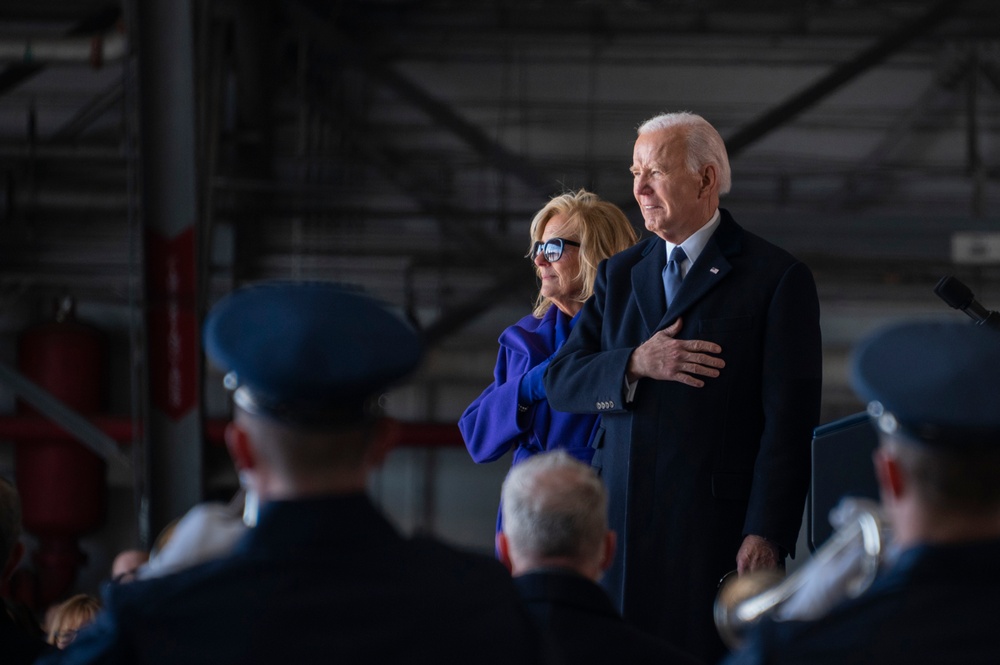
x=305, y=414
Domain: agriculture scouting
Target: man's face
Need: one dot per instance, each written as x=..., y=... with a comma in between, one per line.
x=674, y=201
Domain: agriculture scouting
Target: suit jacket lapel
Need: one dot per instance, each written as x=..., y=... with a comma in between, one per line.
x=647, y=284
x=710, y=269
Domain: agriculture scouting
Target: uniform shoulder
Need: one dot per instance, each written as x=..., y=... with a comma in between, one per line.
x=144, y=595
x=450, y=558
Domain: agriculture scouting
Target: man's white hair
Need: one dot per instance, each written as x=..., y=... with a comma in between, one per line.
x=553, y=505
x=704, y=144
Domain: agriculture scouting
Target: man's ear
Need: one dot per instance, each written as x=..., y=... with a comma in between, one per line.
x=891, y=478
x=240, y=449
x=709, y=176
x=610, y=547
x=383, y=437
x=503, y=551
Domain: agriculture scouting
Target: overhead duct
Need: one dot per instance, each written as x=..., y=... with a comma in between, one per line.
x=95, y=50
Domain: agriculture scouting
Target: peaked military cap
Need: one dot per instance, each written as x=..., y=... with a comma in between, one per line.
x=937, y=383
x=308, y=353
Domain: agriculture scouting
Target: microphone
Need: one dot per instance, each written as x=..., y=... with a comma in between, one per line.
x=959, y=296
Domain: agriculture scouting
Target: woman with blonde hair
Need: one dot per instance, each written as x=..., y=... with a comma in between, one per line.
x=570, y=236
x=67, y=618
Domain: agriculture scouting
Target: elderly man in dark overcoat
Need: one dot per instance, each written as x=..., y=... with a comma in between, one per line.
x=705, y=365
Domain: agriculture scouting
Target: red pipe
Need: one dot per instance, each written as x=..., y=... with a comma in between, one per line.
x=34, y=428
x=424, y=435
x=400, y=433
x=61, y=482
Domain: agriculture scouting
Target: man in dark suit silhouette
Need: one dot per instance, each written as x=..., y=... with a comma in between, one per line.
x=706, y=370
x=321, y=576
x=556, y=542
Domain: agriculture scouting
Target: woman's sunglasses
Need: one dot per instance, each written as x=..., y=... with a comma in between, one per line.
x=551, y=249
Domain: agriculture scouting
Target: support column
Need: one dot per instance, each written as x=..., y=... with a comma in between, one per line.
x=173, y=433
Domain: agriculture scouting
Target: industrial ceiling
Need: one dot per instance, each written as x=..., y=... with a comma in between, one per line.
x=405, y=145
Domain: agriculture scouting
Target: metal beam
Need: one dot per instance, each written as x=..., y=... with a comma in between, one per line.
x=91, y=112
x=977, y=171
x=16, y=74
x=66, y=417
x=396, y=168
x=392, y=165
x=510, y=282
x=939, y=94
x=815, y=93
x=444, y=115
x=514, y=281
x=495, y=153
x=991, y=71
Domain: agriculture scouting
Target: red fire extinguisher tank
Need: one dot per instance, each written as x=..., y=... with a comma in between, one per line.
x=62, y=483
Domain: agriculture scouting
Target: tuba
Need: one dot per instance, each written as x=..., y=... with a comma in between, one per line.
x=843, y=567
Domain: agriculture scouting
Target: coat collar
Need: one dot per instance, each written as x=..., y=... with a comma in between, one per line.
x=564, y=587
x=535, y=337
x=709, y=270
x=319, y=522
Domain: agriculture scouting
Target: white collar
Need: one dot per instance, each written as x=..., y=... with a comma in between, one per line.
x=694, y=245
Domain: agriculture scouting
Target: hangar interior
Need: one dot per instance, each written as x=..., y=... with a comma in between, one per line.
x=157, y=154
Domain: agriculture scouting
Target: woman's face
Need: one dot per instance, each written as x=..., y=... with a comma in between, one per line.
x=65, y=637
x=560, y=279
x=68, y=628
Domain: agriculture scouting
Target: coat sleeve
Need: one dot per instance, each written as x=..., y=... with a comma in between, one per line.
x=791, y=391
x=490, y=424
x=581, y=377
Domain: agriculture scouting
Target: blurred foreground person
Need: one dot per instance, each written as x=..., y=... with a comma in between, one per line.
x=934, y=396
x=21, y=639
x=208, y=531
x=126, y=565
x=69, y=617
x=323, y=576
x=556, y=542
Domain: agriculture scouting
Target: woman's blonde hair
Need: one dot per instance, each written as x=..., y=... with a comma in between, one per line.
x=72, y=614
x=603, y=230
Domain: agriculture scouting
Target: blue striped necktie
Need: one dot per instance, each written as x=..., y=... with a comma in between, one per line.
x=672, y=276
